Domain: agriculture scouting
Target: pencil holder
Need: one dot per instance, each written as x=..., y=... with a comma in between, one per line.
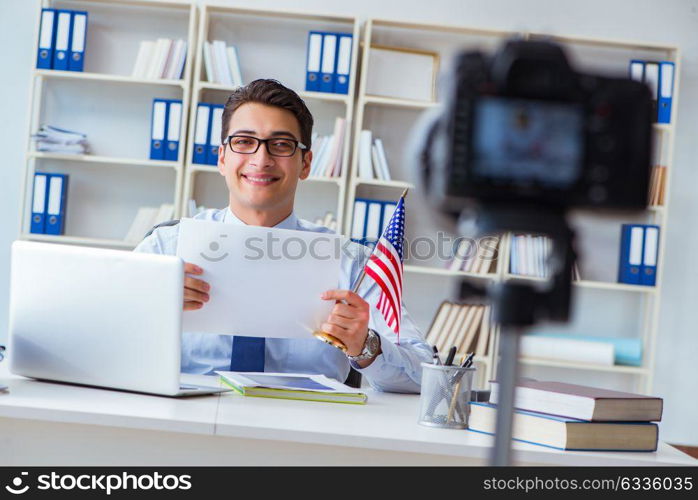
x=445, y=396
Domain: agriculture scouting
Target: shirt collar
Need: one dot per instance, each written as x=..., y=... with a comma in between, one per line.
x=290, y=222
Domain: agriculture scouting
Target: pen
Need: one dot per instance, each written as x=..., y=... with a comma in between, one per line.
x=451, y=355
x=467, y=363
x=435, y=358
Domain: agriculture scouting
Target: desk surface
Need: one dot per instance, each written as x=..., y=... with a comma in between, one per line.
x=387, y=422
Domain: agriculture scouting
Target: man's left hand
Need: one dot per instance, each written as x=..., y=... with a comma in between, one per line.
x=348, y=320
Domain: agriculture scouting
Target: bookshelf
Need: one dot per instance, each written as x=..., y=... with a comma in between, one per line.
x=272, y=44
x=599, y=298
x=108, y=185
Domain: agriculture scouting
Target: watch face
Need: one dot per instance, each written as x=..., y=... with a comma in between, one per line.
x=373, y=343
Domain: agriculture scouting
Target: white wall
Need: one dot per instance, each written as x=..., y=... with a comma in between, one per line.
x=663, y=21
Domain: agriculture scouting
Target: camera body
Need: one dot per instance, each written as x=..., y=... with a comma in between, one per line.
x=523, y=128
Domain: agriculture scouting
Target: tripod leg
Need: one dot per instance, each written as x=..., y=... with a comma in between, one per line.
x=507, y=375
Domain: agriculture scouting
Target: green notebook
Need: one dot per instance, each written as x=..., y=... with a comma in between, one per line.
x=292, y=386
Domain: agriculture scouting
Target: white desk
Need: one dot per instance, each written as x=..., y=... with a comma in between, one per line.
x=55, y=424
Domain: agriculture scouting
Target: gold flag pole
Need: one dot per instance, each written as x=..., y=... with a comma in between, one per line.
x=331, y=339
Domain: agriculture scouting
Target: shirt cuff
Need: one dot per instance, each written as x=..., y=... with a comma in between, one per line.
x=389, y=354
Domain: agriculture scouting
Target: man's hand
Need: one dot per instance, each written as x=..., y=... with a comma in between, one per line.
x=195, y=290
x=348, y=321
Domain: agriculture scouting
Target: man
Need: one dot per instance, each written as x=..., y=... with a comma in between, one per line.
x=265, y=151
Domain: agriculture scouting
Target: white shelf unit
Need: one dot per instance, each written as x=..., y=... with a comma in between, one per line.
x=603, y=307
x=272, y=44
x=107, y=186
x=428, y=280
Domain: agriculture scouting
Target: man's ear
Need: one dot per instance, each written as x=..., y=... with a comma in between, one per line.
x=307, y=159
x=221, y=159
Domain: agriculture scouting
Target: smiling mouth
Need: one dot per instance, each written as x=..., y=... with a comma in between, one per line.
x=260, y=180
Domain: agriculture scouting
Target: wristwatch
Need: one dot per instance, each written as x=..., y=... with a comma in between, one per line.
x=371, y=347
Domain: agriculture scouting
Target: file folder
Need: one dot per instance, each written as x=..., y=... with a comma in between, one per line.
x=666, y=91
x=55, y=203
x=77, y=41
x=201, y=133
x=62, y=40
x=38, y=222
x=341, y=84
x=631, y=254
x=648, y=276
x=174, y=121
x=44, y=56
x=374, y=218
x=388, y=211
x=312, y=75
x=214, y=140
x=652, y=80
x=359, y=222
x=637, y=70
x=158, y=127
x=329, y=56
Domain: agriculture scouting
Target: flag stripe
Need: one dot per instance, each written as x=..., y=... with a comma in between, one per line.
x=388, y=272
x=376, y=275
x=392, y=258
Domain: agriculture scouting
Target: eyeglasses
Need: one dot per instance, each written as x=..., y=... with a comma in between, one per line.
x=276, y=146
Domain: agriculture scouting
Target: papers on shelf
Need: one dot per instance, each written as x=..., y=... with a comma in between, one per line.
x=55, y=140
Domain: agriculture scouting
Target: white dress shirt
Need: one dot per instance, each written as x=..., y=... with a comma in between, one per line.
x=396, y=369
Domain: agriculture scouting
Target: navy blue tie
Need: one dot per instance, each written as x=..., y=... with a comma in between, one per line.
x=248, y=354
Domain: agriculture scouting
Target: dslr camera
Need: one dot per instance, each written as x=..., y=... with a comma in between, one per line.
x=523, y=128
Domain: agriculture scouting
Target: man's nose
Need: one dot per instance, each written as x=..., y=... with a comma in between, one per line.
x=262, y=156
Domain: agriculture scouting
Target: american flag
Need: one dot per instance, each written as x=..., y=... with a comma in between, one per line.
x=385, y=267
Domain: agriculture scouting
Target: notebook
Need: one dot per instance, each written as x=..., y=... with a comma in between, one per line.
x=291, y=386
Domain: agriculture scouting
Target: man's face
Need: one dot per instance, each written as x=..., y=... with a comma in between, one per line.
x=260, y=181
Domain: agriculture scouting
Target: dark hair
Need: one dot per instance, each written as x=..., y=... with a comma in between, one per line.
x=271, y=93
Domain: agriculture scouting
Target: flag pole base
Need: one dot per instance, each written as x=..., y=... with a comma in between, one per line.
x=330, y=339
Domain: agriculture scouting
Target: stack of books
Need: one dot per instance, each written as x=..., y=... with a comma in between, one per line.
x=221, y=64
x=373, y=163
x=475, y=256
x=466, y=326
x=161, y=59
x=328, y=151
x=658, y=182
x=575, y=417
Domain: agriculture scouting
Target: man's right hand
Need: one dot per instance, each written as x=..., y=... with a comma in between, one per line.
x=195, y=290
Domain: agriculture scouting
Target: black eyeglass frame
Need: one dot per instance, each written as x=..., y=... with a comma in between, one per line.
x=297, y=145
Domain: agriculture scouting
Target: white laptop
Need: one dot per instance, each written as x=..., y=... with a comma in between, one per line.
x=97, y=317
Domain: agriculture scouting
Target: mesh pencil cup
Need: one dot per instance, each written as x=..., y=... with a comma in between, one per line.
x=445, y=396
